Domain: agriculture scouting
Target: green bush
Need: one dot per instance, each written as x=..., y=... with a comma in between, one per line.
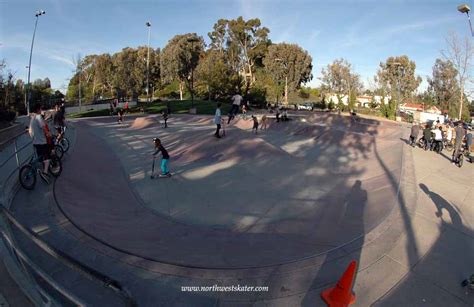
x=7, y=116
x=258, y=97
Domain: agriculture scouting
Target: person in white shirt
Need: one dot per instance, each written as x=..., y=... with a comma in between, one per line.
x=217, y=120
x=236, y=101
x=37, y=131
x=438, y=139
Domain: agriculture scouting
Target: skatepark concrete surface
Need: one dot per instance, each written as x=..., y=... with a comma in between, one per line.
x=286, y=209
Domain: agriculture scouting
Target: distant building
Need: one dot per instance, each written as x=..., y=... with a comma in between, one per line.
x=365, y=100
x=412, y=108
x=362, y=101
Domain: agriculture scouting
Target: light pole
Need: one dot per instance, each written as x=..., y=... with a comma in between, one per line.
x=148, y=25
x=464, y=8
x=286, y=79
x=192, y=40
x=25, y=88
x=38, y=14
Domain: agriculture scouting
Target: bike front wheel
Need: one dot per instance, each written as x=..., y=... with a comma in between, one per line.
x=27, y=177
x=64, y=143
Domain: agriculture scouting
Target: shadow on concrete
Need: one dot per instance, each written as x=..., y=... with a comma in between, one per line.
x=435, y=279
x=330, y=209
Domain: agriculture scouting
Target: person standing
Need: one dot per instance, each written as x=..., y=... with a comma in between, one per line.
x=217, y=120
x=469, y=141
x=449, y=134
x=415, y=130
x=264, y=122
x=427, y=136
x=38, y=130
x=459, y=131
x=255, y=124
x=438, y=139
x=164, y=114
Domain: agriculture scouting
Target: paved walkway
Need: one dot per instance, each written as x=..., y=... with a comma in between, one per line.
x=363, y=207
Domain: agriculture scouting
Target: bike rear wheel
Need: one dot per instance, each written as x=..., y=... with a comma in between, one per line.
x=27, y=177
x=55, y=167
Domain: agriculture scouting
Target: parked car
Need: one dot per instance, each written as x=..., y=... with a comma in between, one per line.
x=305, y=106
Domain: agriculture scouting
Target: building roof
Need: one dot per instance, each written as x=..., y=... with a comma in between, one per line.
x=420, y=107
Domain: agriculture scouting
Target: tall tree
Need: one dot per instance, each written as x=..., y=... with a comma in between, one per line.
x=460, y=53
x=444, y=86
x=288, y=65
x=339, y=78
x=180, y=57
x=398, y=74
x=245, y=44
x=214, y=77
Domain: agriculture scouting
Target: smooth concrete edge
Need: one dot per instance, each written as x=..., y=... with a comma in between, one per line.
x=375, y=234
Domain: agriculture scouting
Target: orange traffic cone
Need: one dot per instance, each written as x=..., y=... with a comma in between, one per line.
x=341, y=295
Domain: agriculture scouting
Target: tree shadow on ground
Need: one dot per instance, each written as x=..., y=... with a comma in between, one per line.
x=332, y=209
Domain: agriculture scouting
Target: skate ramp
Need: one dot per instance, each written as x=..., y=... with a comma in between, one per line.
x=239, y=202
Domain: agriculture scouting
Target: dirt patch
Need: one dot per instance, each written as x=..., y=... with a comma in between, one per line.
x=142, y=122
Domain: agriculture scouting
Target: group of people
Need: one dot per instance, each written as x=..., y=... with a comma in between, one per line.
x=435, y=134
x=42, y=137
x=114, y=108
x=281, y=115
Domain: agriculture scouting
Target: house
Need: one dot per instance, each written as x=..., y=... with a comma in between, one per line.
x=365, y=100
x=362, y=101
x=412, y=108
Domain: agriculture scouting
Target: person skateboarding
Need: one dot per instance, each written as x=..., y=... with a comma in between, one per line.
x=164, y=113
x=236, y=101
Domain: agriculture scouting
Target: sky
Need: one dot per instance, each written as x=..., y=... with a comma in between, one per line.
x=365, y=32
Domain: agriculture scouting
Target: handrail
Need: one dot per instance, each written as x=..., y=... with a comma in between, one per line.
x=14, y=137
x=74, y=264
x=16, y=150
x=40, y=272
x=70, y=262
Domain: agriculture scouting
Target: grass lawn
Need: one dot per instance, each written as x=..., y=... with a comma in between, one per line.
x=177, y=107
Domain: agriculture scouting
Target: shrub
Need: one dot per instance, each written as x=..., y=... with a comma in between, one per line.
x=7, y=116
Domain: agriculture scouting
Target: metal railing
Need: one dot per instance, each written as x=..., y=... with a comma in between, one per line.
x=22, y=268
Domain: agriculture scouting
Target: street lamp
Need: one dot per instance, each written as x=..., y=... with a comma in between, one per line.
x=464, y=8
x=286, y=78
x=192, y=40
x=38, y=14
x=148, y=25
